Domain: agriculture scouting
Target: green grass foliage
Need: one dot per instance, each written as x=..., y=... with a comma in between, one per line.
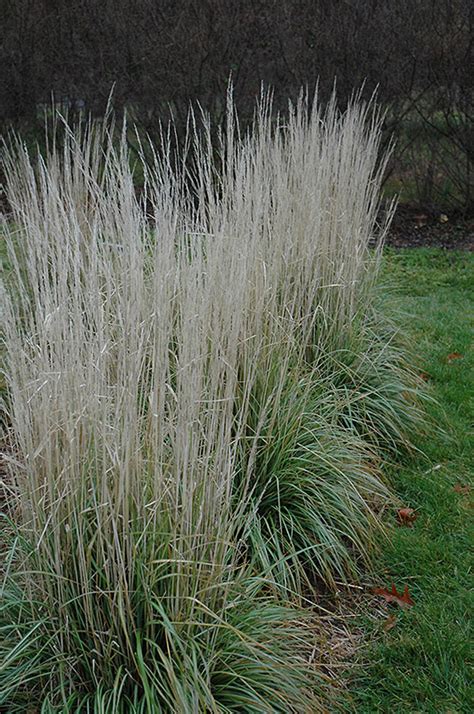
x=424, y=662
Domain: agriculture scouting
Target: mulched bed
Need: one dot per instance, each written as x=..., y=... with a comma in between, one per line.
x=416, y=228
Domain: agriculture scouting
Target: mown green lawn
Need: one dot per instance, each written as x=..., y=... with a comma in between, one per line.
x=421, y=663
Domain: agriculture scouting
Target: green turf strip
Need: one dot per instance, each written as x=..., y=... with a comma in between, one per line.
x=422, y=663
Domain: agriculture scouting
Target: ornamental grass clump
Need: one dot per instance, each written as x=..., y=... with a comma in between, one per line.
x=184, y=463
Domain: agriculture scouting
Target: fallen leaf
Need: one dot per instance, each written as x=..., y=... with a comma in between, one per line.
x=403, y=599
x=390, y=623
x=407, y=516
x=454, y=355
x=425, y=376
x=459, y=488
x=443, y=218
x=421, y=219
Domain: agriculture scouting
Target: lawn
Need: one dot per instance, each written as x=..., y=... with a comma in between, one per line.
x=419, y=662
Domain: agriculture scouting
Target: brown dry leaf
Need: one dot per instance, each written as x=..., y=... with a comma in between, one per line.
x=459, y=488
x=407, y=516
x=389, y=623
x=421, y=219
x=403, y=599
x=453, y=356
x=425, y=376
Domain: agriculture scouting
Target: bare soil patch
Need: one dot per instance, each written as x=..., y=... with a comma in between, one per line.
x=413, y=227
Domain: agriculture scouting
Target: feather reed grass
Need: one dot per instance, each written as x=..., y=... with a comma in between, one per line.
x=183, y=447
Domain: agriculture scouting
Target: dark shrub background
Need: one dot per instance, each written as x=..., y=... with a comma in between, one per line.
x=160, y=54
